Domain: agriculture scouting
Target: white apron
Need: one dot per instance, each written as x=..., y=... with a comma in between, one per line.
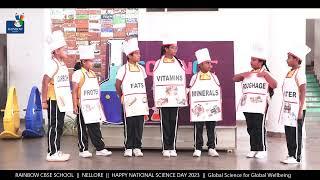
x=62, y=88
x=169, y=84
x=290, y=102
x=134, y=93
x=254, y=94
x=205, y=100
x=90, y=99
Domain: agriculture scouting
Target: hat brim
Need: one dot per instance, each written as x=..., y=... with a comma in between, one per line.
x=169, y=44
x=91, y=59
x=260, y=58
x=290, y=53
x=133, y=52
x=207, y=61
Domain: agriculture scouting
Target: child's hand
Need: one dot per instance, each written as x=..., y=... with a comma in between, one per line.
x=262, y=74
x=245, y=74
x=44, y=105
x=122, y=99
x=75, y=109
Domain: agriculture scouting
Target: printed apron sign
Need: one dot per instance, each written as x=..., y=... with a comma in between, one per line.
x=205, y=100
x=62, y=88
x=134, y=92
x=169, y=84
x=290, y=103
x=90, y=99
x=255, y=93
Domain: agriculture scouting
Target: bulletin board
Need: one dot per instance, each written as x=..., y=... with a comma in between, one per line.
x=94, y=26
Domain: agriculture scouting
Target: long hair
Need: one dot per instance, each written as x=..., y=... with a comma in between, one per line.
x=271, y=91
x=77, y=66
x=163, y=50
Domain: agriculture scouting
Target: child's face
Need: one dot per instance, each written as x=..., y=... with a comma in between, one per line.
x=62, y=52
x=88, y=64
x=135, y=56
x=205, y=66
x=172, y=50
x=292, y=60
x=255, y=63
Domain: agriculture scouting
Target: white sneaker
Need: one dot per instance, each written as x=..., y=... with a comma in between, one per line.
x=103, y=152
x=85, y=154
x=261, y=154
x=251, y=154
x=137, y=152
x=290, y=160
x=173, y=153
x=127, y=153
x=213, y=152
x=196, y=153
x=166, y=153
x=58, y=156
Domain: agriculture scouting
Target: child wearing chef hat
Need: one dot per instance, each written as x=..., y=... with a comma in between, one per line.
x=169, y=95
x=205, y=108
x=294, y=102
x=86, y=100
x=131, y=87
x=257, y=89
x=56, y=94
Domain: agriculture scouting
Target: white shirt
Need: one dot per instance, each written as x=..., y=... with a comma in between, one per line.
x=52, y=68
x=302, y=79
x=122, y=70
x=76, y=76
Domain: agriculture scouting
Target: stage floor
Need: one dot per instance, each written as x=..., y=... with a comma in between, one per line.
x=30, y=154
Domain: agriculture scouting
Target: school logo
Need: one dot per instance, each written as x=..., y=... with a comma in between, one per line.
x=16, y=26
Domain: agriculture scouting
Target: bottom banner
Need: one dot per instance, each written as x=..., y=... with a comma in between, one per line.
x=200, y=174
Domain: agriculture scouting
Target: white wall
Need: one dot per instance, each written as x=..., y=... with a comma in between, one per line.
x=310, y=38
x=317, y=46
x=26, y=52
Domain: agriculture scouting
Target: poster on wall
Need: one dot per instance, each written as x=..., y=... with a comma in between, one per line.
x=95, y=27
x=222, y=52
x=69, y=14
x=119, y=21
x=107, y=32
x=84, y=26
x=94, y=16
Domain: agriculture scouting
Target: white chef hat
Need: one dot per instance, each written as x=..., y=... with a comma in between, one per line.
x=168, y=40
x=202, y=55
x=56, y=40
x=86, y=52
x=299, y=51
x=258, y=51
x=130, y=46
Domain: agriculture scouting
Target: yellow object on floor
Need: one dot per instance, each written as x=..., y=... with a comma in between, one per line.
x=11, y=119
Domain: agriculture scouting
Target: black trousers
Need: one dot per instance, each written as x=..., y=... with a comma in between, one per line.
x=55, y=126
x=256, y=130
x=198, y=134
x=169, y=127
x=133, y=129
x=294, y=139
x=93, y=131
